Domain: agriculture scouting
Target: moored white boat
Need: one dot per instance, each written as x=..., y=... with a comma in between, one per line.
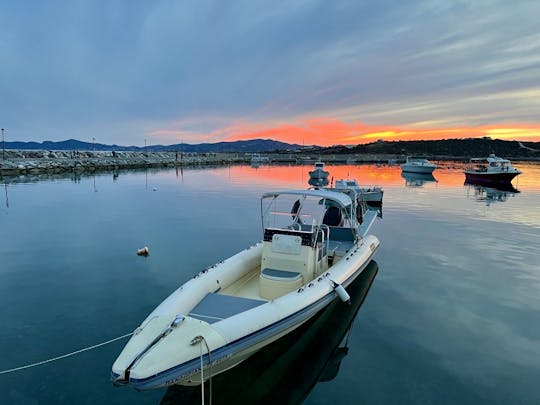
x=417, y=164
x=313, y=246
x=302, y=357
x=488, y=170
x=318, y=176
x=372, y=195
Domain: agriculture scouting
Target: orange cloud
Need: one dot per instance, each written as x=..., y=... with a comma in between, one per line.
x=329, y=131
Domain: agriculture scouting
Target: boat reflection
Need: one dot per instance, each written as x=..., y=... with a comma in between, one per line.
x=496, y=193
x=7, y=197
x=288, y=369
x=417, y=179
x=318, y=182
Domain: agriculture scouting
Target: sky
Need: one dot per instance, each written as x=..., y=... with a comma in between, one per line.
x=304, y=72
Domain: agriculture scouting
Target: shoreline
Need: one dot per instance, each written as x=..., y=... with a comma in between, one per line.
x=30, y=162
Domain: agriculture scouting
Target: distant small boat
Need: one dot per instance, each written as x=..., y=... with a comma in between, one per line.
x=490, y=170
x=318, y=177
x=417, y=164
x=257, y=159
x=372, y=195
x=318, y=172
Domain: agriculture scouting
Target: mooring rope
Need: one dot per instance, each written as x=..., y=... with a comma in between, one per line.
x=66, y=355
x=200, y=339
x=202, y=373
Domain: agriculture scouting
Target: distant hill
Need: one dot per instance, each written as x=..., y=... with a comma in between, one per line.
x=473, y=147
x=250, y=146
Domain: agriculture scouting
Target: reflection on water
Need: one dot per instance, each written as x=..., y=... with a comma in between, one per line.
x=417, y=179
x=6, y=192
x=288, y=369
x=318, y=182
x=489, y=195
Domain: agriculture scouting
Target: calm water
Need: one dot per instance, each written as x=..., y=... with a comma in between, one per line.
x=452, y=316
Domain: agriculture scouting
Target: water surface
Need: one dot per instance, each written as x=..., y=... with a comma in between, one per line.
x=452, y=315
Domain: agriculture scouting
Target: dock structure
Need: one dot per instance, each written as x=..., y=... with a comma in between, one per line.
x=24, y=162
x=21, y=162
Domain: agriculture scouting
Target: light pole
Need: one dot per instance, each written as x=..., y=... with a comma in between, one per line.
x=93, y=144
x=3, y=146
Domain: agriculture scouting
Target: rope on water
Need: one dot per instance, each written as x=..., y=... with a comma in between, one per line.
x=66, y=355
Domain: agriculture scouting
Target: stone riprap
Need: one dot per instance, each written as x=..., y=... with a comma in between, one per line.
x=17, y=162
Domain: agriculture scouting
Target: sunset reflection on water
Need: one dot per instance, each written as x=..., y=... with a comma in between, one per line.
x=448, y=174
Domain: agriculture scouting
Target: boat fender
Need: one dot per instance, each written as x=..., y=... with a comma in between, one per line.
x=143, y=252
x=340, y=291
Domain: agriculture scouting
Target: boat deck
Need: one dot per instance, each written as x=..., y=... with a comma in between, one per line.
x=246, y=287
x=216, y=307
x=244, y=293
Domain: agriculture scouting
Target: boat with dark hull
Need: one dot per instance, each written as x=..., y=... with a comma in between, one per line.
x=490, y=170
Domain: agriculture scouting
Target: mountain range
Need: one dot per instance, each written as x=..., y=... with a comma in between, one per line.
x=249, y=146
x=444, y=147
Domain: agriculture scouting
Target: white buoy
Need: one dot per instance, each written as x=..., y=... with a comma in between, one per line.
x=143, y=252
x=340, y=291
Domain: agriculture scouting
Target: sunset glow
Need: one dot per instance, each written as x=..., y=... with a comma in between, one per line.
x=327, y=132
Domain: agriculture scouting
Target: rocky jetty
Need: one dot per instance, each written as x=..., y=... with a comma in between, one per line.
x=17, y=162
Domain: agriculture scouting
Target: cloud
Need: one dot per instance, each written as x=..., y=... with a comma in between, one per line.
x=126, y=70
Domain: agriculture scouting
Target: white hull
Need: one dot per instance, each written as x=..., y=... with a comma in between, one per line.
x=313, y=246
x=371, y=196
x=423, y=169
x=174, y=360
x=363, y=193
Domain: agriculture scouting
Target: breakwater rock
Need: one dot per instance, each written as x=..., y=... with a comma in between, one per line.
x=17, y=162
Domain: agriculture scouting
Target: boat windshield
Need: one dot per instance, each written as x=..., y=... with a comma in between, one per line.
x=301, y=211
